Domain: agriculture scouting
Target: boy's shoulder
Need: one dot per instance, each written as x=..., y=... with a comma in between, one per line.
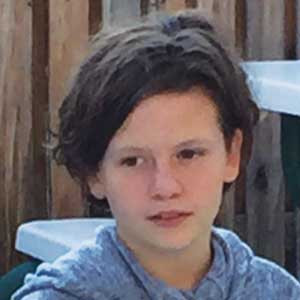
x=89, y=272
x=254, y=275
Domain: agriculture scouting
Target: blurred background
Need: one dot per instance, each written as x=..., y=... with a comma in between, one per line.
x=42, y=42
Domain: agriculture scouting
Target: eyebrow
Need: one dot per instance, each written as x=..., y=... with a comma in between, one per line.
x=187, y=143
x=193, y=142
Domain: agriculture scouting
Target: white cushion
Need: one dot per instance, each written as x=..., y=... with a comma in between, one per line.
x=48, y=239
x=276, y=85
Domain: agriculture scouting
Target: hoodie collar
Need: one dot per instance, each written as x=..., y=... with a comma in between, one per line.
x=214, y=285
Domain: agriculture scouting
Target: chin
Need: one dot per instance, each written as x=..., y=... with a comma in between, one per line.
x=173, y=244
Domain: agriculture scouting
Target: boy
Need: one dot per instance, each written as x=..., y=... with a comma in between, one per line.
x=159, y=123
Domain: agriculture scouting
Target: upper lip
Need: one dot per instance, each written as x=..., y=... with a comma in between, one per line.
x=170, y=213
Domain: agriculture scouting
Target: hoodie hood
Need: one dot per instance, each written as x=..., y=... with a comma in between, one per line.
x=106, y=269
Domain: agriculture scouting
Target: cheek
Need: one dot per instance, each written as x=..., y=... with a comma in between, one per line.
x=126, y=193
x=131, y=184
x=205, y=182
x=208, y=171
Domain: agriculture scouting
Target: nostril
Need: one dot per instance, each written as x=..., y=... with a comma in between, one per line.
x=164, y=191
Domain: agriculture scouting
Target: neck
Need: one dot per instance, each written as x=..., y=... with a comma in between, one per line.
x=181, y=269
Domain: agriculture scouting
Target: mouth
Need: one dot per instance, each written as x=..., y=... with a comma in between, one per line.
x=169, y=218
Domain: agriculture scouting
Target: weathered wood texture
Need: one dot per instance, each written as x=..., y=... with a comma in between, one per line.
x=224, y=13
x=264, y=194
x=191, y=3
x=297, y=28
x=240, y=27
x=226, y=214
x=41, y=42
x=264, y=191
x=95, y=16
x=297, y=239
x=40, y=107
x=175, y=5
x=290, y=29
x=68, y=43
x=16, y=148
x=264, y=17
x=120, y=12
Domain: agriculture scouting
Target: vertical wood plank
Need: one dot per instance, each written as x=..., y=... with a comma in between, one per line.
x=95, y=16
x=226, y=214
x=290, y=242
x=173, y=6
x=68, y=42
x=40, y=110
x=298, y=28
x=263, y=19
x=264, y=192
x=191, y=3
x=145, y=7
x=224, y=12
x=206, y=5
x=121, y=12
x=297, y=221
x=290, y=43
x=149, y=6
x=5, y=39
x=240, y=27
x=16, y=157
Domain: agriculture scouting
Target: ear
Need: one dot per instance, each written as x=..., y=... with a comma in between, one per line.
x=234, y=157
x=96, y=186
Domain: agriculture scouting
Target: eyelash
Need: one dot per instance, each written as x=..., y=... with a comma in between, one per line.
x=127, y=161
x=194, y=152
x=132, y=161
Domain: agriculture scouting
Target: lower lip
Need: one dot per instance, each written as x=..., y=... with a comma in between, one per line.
x=171, y=222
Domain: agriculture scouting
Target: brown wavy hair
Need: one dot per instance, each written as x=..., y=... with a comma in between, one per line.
x=173, y=54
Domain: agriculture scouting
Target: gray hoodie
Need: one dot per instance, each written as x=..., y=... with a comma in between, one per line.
x=106, y=269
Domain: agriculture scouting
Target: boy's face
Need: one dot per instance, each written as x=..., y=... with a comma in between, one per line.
x=164, y=170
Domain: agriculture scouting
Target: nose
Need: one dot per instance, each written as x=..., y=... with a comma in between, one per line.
x=164, y=184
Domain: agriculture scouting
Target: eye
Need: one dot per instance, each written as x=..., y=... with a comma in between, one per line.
x=189, y=153
x=132, y=161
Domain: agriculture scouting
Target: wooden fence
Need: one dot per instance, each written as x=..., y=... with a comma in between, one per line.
x=42, y=41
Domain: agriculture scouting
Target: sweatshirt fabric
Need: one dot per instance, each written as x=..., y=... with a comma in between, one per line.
x=106, y=269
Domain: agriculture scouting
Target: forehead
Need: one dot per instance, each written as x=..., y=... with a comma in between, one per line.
x=170, y=118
